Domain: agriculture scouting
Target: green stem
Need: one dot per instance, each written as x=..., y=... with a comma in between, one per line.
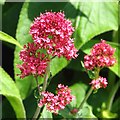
x=43, y=89
x=112, y=95
x=46, y=77
x=37, y=85
x=86, y=97
x=97, y=70
x=36, y=113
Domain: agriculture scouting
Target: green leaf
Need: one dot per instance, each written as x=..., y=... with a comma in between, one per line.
x=87, y=47
x=115, y=106
x=91, y=21
x=25, y=85
x=79, y=91
x=2, y=2
x=5, y=37
x=7, y=109
x=45, y=114
x=66, y=112
x=91, y=74
x=11, y=92
x=57, y=64
x=86, y=112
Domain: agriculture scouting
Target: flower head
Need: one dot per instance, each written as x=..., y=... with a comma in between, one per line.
x=34, y=63
x=56, y=102
x=52, y=32
x=99, y=83
x=102, y=48
x=101, y=56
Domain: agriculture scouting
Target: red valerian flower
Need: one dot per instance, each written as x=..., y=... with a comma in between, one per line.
x=101, y=56
x=34, y=63
x=99, y=83
x=53, y=32
x=102, y=48
x=54, y=103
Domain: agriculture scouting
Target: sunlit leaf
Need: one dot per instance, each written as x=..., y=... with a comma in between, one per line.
x=2, y=2
x=11, y=92
x=78, y=90
x=7, y=38
x=45, y=114
x=57, y=64
x=86, y=112
x=91, y=21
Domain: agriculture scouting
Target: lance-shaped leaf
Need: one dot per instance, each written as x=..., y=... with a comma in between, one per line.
x=7, y=38
x=10, y=91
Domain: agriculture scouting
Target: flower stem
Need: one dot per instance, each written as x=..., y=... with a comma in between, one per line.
x=37, y=85
x=97, y=70
x=86, y=97
x=43, y=89
x=46, y=78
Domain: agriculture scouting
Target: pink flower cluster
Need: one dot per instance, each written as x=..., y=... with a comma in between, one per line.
x=34, y=63
x=99, y=83
x=52, y=32
x=101, y=56
x=56, y=102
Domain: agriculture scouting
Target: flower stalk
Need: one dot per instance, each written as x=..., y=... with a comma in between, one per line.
x=36, y=78
x=37, y=112
x=46, y=77
x=86, y=97
x=97, y=70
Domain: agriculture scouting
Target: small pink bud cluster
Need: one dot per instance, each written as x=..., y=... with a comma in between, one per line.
x=101, y=56
x=56, y=102
x=74, y=111
x=99, y=83
x=52, y=32
x=34, y=63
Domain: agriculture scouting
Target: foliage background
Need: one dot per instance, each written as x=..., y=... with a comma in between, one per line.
x=92, y=21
